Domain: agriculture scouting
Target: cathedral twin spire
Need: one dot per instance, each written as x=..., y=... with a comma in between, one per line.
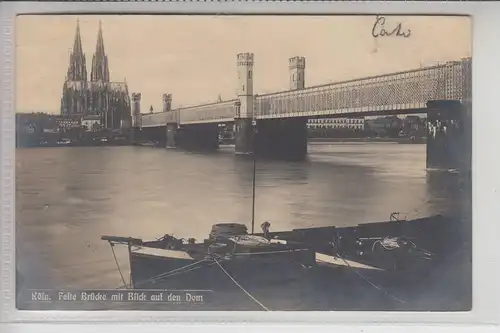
x=100, y=71
x=77, y=70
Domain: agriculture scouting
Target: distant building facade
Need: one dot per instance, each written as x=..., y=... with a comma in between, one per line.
x=337, y=123
x=389, y=125
x=39, y=122
x=65, y=124
x=98, y=97
x=91, y=123
x=35, y=122
x=413, y=125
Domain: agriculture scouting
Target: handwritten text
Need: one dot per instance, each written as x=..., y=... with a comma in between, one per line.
x=379, y=29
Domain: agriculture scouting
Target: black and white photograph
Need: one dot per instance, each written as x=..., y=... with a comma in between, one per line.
x=243, y=162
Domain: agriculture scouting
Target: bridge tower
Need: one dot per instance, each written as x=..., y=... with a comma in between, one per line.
x=245, y=106
x=136, y=117
x=167, y=102
x=136, y=110
x=285, y=138
x=297, y=66
x=172, y=124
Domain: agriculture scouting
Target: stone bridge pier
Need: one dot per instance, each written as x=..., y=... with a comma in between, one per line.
x=158, y=135
x=136, y=118
x=449, y=139
x=196, y=137
x=243, y=136
x=281, y=138
x=172, y=135
x=284, y=139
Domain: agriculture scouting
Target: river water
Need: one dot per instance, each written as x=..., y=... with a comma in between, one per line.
x=67, y=198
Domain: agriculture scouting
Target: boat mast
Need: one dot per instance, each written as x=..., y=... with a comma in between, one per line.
x=253, y=187
x=254, y=157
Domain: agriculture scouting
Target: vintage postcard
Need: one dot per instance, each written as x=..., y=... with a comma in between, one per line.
x=243, y=162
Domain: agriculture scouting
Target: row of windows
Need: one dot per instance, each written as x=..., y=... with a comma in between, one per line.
x=337, y=121
x=355, y=126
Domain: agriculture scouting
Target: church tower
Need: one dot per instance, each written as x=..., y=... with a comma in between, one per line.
x=99, y=97
x=100, y=70
x=77, y=69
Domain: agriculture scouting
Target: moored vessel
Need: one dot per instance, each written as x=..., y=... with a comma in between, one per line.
x=303, y=266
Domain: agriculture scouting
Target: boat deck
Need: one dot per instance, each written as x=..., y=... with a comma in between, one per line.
x=321, y=259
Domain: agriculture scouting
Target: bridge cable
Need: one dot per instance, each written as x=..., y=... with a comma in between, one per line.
x=370, y=282
x=239, y=286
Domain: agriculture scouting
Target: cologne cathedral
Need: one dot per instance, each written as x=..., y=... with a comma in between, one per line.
x=97, y=97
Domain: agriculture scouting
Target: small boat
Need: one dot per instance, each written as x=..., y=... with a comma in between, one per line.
x=304, y=265
x=228, y=249
x=64, y=142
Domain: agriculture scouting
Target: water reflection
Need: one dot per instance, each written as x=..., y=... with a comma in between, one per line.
x=67, y=198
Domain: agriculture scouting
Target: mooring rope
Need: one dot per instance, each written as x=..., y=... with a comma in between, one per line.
x=262, y=253
x=370, y=282
x=185, y=269
x=118, y=265
x=162, y=275
x=172, y=273
x=388, y=243
x=239, y=286
x=168, y=274
x=391, y=243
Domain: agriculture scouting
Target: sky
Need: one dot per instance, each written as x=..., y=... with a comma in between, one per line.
x=194, y=57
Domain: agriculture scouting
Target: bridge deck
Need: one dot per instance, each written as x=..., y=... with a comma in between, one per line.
x=402, y=92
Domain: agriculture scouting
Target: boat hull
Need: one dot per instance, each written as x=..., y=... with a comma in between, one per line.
x=214, y=274
x=338, y=280
x=259, y=286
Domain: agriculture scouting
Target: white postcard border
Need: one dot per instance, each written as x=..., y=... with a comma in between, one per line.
x=486, y=80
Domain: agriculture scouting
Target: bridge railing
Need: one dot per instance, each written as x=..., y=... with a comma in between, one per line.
x=172, y=117
x=406, y=90
x=397, y=91
x=154, y=119
x=215, y=112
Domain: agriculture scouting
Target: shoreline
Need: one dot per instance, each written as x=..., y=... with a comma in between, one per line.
x=368, y=140
x=310, y=140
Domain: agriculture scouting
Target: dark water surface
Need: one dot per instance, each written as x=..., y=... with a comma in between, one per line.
x=68, y=197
